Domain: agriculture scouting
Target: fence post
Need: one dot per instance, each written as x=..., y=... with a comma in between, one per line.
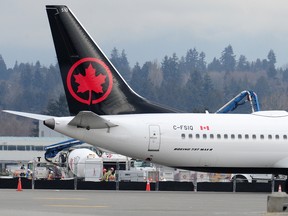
x=75, y=176
x=234, y=183
x=33, y=175
x=195, y=182
x=272, y=183
x=157, y=179
x=117, y=175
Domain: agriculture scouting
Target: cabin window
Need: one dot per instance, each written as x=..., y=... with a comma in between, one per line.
x=269, y=136
x=253, y=136
x=197, y=136
x=39, y=148
x=246, y=136
x=12, y=147
x=204, y=136
x=232, y=136
x=211, y=136
x=20, y=148
x=190, y=136
x=285, y=137
x=183, y=136
x=277, y=136
x=261, y=136
x=218, y=136
x=239, y=136
x=225, y=136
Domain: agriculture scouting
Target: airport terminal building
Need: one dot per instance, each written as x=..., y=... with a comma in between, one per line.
x=20, y=150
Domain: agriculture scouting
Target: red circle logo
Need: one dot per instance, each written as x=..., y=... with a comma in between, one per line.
x=89, y=81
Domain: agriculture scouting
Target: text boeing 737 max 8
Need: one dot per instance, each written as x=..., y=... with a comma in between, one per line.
x=107, y=113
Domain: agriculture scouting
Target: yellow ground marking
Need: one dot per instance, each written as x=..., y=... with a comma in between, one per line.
x=78, y=206
x=61, y=198
x=69, y=205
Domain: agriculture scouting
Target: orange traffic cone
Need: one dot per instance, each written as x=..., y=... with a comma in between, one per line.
x=148, y=186
x=280, y=188
x=19, y=187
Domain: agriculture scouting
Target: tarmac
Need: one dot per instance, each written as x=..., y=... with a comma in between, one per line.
x=124, y=203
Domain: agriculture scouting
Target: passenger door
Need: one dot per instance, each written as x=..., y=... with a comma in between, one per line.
x=154, y=138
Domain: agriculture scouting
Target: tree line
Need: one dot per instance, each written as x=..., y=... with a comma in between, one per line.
x=187, y=83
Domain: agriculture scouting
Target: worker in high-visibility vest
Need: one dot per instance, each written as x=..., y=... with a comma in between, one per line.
x=107, y=175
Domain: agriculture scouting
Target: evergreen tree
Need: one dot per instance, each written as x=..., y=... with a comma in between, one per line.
x=171, y=85
x=210, y=98
x=265, y=64
x=227, y=59
x=215, y=65
x=3, y=69
x=285, y=75
x=26, y=75
x=38, y=79
x=256, y=66
x=271, y=71
x=52, y=75
x=57, y=107
x=3, y=93
x=191, y=59
x=201, y=64
x=194, y=93
x=121, y=63
x=170, y=68
x=262, y=88
x=243, y=64
x=139, y=79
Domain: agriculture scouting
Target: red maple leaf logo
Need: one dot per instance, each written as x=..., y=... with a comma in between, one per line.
x=101, y=84
x=90, y=82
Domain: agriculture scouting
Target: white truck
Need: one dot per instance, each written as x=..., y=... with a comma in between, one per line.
x=139, y=171
x=82, y=162
x=240, y=177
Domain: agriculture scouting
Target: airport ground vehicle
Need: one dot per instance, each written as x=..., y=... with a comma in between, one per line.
x=39, y=169
x=240, y=177
x=80, y=162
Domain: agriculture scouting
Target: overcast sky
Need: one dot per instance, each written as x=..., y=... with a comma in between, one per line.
x=150, y=29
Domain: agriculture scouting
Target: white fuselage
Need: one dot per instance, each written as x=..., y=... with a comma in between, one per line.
x=206, y=142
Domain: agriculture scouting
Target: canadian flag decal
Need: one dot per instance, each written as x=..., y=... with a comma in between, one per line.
x=204, y=128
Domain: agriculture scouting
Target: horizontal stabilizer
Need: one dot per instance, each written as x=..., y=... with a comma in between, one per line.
x=90, y=120
x=29, y=115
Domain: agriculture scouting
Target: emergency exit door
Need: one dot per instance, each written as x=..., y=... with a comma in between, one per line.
x=154, y=138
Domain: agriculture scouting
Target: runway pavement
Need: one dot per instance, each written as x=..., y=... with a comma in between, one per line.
x=125, y=203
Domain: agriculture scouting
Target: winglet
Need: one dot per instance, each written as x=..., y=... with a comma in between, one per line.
x=90, y=120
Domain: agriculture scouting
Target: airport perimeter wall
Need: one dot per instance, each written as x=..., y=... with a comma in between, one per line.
x=160, y=186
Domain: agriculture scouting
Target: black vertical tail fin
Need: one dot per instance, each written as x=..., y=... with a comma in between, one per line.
x=90, y=81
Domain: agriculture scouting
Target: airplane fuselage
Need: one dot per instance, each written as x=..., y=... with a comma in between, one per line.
x=255, y=142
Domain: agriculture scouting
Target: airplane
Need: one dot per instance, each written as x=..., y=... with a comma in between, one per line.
x=107, y=113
